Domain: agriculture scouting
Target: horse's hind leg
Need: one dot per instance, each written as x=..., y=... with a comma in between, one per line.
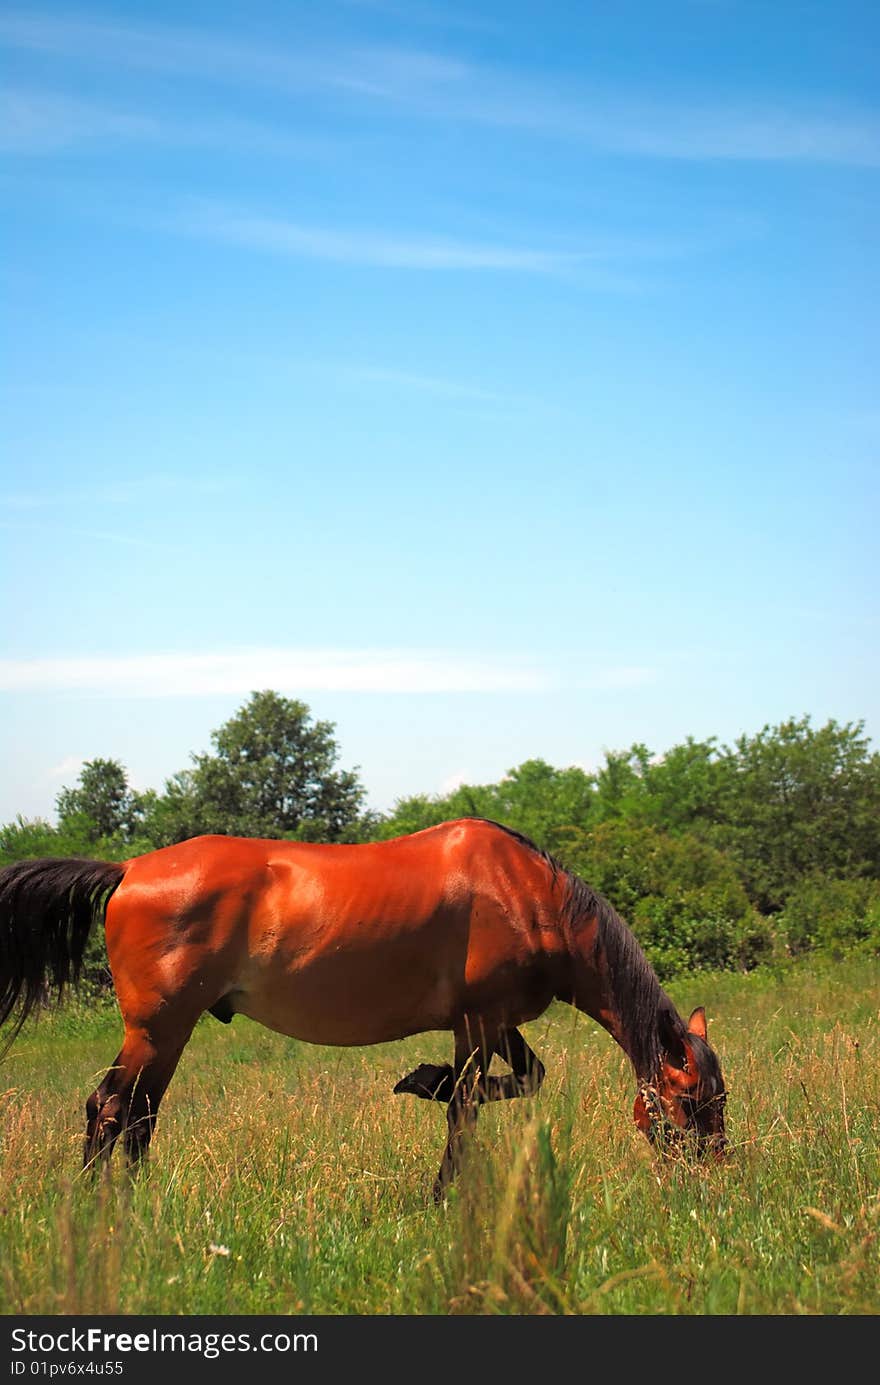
x=128, y=1099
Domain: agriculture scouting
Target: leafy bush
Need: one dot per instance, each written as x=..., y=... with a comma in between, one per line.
x=680, y=896
x=534, y=798
x=832, y=915
x=32, y=838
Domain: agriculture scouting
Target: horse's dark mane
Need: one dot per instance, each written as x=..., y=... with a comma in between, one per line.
x=556, y=866
x=650, y=1019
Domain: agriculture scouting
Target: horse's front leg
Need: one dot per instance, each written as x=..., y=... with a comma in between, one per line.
x=526, y=1069
x=436, y=1081
x=430, y=1081
x=471, y=1062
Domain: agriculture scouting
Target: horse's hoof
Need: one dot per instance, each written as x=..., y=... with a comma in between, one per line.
x=430, y=1081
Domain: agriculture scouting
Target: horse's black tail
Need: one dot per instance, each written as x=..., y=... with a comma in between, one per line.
x=47, y=909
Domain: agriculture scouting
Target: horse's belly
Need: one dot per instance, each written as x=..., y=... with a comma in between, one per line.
x=349, y=998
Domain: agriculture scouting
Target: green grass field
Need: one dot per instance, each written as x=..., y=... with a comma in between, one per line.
x=288, y=1179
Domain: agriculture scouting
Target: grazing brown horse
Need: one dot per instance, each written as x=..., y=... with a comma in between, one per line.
x=467, y=926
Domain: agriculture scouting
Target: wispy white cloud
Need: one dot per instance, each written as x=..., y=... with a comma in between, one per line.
x=619, y=677
x=305, y=670
x=454, y=781
x=115, y=537
x=363, y=247
x=434, y=16
x=440, y=86
x=383, y=71
x=134, y=490
x=700, y=130
x=299, y=670
x=37, y=122
x=71, y=764
x=423, y=384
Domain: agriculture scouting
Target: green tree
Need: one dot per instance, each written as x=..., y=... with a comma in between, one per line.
x=621, y=784
x=413, y=814
x=681, y=897
x=791, y=800
x=796, y=800
x=31, y=838
x=683, y=788
x=535, y=798
x=174, y=815
x=538, y=799
x=832, y=914
x=677, y=791
x=272, y=774
x=102, y=807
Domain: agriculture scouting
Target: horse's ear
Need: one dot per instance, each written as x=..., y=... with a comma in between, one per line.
x=697, y=1023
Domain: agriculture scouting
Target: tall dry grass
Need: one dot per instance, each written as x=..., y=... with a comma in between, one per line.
x=288, y=1179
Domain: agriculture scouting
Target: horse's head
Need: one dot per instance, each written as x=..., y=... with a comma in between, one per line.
x=687, y=1094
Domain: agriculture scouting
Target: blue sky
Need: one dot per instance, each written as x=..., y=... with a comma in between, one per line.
x=499, y=379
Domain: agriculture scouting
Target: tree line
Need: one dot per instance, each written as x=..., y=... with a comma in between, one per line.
x=718, y=856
